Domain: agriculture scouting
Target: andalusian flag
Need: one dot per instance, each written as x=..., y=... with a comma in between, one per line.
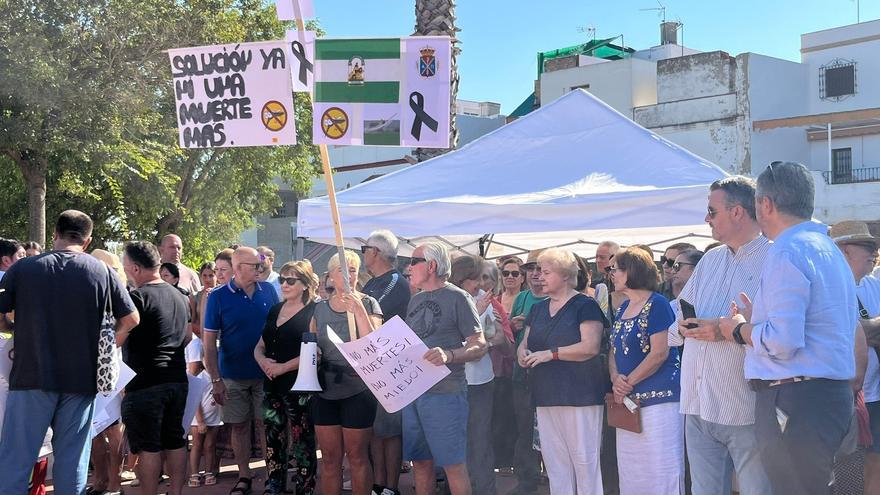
x=382, y=91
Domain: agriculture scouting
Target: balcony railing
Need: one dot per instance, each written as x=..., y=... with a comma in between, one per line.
x=853, y=176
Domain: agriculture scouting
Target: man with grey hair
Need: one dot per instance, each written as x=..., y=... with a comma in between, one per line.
x=605, y=252
x=435, y=424
x=391, y=289
x=718, y=405
x=799, y=336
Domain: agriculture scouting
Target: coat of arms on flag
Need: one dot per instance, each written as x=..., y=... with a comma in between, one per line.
x=427, y=62
x=391, y=91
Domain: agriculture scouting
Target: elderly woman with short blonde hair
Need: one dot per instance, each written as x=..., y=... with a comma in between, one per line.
x=560, y=349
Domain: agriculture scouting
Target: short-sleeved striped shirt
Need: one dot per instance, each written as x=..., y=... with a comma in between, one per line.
x=713, y=384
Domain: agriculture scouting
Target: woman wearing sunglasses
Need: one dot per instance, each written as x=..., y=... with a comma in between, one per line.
x=646, y=370
x=683, y=268
x=277, y=353
x=345, y=410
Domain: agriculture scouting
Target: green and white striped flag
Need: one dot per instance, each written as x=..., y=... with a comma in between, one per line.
x=382, y=91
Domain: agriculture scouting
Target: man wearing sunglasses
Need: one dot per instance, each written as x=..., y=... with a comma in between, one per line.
x=435, y=424
x=391, y=289
x=238, y=311
x=718, y=405
x=605, y=252
x=799, y=336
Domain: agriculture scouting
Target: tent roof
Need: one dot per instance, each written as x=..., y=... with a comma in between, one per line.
x=576, y=168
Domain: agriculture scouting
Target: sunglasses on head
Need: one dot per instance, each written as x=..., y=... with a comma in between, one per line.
x=287, y=280
x=514, y=273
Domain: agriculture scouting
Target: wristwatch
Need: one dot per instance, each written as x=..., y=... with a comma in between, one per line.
x=216, y=380
x=737, y=334
x=555, y=352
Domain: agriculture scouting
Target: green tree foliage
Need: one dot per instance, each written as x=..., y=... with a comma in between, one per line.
x=87, y=114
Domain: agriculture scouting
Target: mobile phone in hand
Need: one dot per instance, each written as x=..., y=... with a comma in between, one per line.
x=688, y=311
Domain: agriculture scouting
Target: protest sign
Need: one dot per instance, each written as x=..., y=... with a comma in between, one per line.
x=389, y=360
x=382, y=92
x=195, y=393
x=233, y=95
x=302, y=59
x=5, y=369
x=291, y=10
x=108, y=406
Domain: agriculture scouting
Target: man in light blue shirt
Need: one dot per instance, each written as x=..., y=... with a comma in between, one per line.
x=800, y=337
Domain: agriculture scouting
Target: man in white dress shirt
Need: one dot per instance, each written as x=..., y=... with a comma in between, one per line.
x=716, y=400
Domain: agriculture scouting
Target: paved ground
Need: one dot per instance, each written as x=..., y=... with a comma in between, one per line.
x=228, y=477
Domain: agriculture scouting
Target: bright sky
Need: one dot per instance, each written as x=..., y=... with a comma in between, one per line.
x=501, y=38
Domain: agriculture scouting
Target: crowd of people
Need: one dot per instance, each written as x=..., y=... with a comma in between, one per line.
x=754, y=360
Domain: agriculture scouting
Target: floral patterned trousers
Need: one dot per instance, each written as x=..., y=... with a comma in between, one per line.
x=279, y=411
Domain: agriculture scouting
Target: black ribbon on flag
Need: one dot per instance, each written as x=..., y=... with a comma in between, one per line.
x=304, y=65
x=417, y=104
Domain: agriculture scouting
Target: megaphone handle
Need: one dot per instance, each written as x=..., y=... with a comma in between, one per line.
x=352, y=326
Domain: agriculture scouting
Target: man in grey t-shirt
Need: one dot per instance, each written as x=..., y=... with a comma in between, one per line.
x=435, y=424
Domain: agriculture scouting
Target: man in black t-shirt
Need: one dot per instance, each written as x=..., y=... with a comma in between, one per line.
x=59, y=299
x=391, y=289
x=154, y=402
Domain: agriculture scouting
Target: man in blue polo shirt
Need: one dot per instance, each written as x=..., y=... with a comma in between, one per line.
x=237, y=312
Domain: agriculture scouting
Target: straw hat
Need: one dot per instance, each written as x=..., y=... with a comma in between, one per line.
x=853, y=231
x=533, y=256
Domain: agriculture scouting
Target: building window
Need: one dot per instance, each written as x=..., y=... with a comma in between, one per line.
x=841, y=165
x=837, y=80
x=585, y=87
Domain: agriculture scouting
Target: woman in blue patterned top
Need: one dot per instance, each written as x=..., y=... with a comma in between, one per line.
x=645, y=369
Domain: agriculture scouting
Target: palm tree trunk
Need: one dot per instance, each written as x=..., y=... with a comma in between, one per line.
x=437, y=18
x=33, y=170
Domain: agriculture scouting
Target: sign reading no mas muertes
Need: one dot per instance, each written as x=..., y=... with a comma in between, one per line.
x=233, y=95
x=382, y=91
x=389, y=360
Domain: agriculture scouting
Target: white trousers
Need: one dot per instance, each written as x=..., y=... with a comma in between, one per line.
x=571, y=438
x=653, y=461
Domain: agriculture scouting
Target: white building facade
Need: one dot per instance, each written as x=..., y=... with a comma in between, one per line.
x=744, y=112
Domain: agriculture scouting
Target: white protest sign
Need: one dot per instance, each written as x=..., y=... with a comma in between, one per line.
x=197, y=386
x=108, y=406
x=291, y=10
x=389, y=360
x=233, y=95
x=301, y=45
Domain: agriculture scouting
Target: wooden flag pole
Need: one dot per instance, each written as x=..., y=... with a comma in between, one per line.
x=334, y=208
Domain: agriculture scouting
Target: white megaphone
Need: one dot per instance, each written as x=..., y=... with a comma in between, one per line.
x=307, y=376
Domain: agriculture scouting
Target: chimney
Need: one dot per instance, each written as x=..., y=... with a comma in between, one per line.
x=669, y=33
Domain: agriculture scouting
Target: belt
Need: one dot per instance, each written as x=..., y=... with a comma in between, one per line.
x=761, y=384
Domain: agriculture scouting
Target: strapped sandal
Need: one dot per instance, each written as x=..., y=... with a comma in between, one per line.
x=242, y=487
x=195, y=481
x=210, y=478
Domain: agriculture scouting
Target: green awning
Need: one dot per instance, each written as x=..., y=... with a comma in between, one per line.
x=525, y=107
x=595, y=48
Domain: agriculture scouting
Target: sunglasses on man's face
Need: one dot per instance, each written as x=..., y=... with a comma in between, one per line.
x=506, y=273
x=415, y=261
x=330, y=290
x=366, y=248
x=611, y=269
x=667, y=262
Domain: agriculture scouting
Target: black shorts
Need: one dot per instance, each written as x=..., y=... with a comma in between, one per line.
x=153, y=417
x=356, y=412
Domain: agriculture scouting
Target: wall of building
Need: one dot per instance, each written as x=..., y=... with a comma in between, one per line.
x=838, y=202
x=621, y=84
x=864, y=53
x=695, y=76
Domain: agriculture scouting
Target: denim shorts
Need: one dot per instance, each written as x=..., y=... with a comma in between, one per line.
x=153, y=417
x=435, y=428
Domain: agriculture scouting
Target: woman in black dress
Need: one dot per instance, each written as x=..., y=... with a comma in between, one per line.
x=277, y=353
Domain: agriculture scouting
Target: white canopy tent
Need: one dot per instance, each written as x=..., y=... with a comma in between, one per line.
x=573, y=173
